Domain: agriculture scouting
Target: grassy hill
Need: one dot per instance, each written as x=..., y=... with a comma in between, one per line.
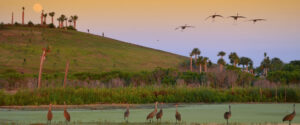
x=21, y=48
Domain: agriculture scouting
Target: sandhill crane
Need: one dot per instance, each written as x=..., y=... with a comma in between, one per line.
x=214, y=16
x=160, y=113
x=291, y=116
x=236, y=17
x=66, y=114
x=177, y=115
x=256, y=20
x=184, y=27
x=49, y=115
x=126, y=113
x=227, y=115
x=152, y=114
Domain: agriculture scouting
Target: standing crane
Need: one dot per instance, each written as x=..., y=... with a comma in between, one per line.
x=66, y=114
x=152, y=114
x=126, y=113
x=177, y=115
x=227, y=115
x=184, y=27
x=214, y=16
x=49, y=115
x=291, y=116
x=160, y=113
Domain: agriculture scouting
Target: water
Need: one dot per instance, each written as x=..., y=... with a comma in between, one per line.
x=191, y=113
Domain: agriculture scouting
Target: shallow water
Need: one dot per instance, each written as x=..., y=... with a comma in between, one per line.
x=191, y=113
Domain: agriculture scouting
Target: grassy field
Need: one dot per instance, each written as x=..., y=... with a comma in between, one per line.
x=21, y=48
x=191, y=113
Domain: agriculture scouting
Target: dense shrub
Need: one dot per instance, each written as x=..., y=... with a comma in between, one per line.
x=51, y=25
x=147, y=95
x=30, y=23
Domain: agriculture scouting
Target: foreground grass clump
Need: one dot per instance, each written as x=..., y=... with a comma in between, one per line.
x=146, y=95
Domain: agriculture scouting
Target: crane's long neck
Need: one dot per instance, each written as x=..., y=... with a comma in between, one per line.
x=50, y=107
x=155, y=106
x=294, y=109
x=176, y=109
x=229, y=108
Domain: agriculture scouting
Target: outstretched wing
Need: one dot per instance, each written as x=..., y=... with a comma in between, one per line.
x=208, y=17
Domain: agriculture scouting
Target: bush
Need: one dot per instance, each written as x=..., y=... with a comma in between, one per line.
x=17, y=24
x=51, y=25
x=30, y=23
x=71, y=28
x=148, y=94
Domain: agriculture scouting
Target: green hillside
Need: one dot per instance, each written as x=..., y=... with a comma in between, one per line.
x=21, y=48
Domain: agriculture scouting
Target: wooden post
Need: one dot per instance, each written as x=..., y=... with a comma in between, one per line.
x=12, y=18
x=41, y=67
x=66, y=74
x=42, y=16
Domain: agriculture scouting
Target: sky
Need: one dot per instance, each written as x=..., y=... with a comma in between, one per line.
x=151, y=23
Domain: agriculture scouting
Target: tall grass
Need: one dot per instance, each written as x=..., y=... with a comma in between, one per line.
x=141, y=95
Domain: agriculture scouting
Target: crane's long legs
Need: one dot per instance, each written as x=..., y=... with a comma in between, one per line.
x=227, y=122
x=289, y=122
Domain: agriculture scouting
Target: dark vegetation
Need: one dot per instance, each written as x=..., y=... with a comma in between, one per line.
x=148, y=94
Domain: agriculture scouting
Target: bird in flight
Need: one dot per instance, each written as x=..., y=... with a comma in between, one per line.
x=236, y=17
x=184, y=27
x=256, y=20
x=214, y=16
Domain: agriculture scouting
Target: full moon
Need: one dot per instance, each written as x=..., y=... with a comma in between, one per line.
x=37, y=7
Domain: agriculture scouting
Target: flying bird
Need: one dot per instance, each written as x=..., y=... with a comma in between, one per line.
x=236, y=17
x=256, y=20
x=227, y=115
x=214, y=16
x=290, y=117
x=184, y=27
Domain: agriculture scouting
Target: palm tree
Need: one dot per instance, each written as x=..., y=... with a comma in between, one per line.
x=70, y=21
x=43, y=58
x=200, y=62
x=42, y=16
x=221, y=53
x=245, y=61
x=66, y=20
x=205, y=61
x=62, y=19
x=45, y=18
x=234, y=58
x=23, y=8
x=196, y=52
x=75, y=18
x=265, y=64
x=221, y=63
x=191, y=61
x=52, y=15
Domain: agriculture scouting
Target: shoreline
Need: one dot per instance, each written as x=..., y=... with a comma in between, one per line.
x=107, y=106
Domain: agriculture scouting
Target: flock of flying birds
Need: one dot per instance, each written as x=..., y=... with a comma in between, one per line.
x=214, y=16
